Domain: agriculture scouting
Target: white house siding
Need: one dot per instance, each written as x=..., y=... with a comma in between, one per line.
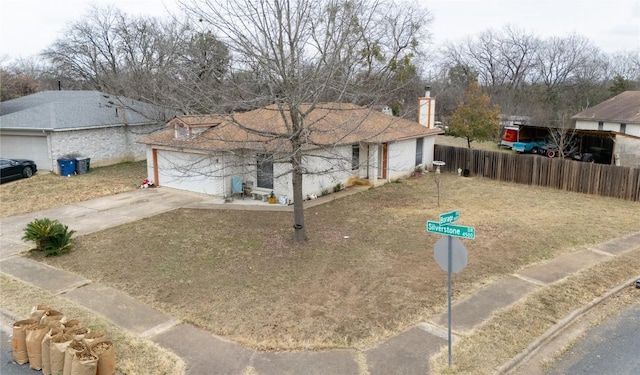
x=105, y=146
x=631, y=129
x=427, y=153
x=402, y=157
x=211, y=174
x=627, y=151
x=192, y=172
x=327, y=168
x=235, y=165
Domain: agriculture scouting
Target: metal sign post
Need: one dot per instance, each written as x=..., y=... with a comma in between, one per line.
x=449, y=266
x=450, y=254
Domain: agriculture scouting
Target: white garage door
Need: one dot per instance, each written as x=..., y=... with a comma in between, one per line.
x=27, y=147
x=191, y=172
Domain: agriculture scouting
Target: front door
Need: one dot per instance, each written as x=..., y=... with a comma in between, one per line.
x=264, y=179
x=382, y=161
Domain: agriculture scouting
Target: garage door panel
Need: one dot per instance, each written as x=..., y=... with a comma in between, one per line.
x=26, y=147
x=191, y=172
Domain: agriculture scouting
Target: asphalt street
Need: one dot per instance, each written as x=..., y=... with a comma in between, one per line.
x=7, y=365
x=612, y=347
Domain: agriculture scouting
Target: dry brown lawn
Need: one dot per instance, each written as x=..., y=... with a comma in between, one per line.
x=367, y=271
x=46, y=190
x=446, y=140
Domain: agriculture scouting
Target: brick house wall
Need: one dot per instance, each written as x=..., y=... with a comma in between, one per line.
x=105, y=146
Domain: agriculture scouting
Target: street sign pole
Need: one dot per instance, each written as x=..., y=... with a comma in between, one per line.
x=450, y=263
x=450, y=254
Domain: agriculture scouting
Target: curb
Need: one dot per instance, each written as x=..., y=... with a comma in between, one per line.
x=7, y=318
x=553, y=331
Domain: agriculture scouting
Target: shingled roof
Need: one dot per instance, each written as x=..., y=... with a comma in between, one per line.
x=623, y=108
x=266, y=129
x=66, y=110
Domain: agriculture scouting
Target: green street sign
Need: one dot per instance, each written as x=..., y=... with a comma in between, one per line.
x=451, y=230
x=449, y=217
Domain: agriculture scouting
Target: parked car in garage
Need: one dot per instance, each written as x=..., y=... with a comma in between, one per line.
x=13, y=169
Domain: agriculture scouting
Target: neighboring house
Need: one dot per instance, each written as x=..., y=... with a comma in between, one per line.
x=346, y=143
x=612, y=129
x=51, y=125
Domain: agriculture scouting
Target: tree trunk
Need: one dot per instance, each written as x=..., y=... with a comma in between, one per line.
x=299, y=231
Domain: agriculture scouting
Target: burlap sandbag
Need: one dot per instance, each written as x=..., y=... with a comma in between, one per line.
x=106, y=352
x=53, y=317
x=46, y=349
x=38, y=311
x=84, y=363
x=57, y=349
x=35, y=335
x=20, y=354
x=93, y=337
x=74, y=347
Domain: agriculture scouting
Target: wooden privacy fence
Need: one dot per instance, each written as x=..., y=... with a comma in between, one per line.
x=569, y=175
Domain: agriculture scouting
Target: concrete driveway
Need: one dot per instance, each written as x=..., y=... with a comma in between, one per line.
x=97, y=214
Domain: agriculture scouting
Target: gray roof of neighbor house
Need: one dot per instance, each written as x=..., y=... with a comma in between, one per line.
x=624, y=107
x=68, y=110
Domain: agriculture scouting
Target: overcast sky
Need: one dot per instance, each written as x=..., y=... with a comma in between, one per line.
x=29, y=26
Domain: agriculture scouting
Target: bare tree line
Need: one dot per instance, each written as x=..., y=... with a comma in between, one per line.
x=530, y=76
x=185, y=62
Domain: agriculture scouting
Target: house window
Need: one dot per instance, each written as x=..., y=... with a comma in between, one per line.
x=182, y=132
x=355, y=157
x=419, y=150
x=264, y=178
x=600, y=125
x=623, y=128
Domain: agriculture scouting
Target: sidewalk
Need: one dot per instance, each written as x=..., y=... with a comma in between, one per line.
x=406, y=353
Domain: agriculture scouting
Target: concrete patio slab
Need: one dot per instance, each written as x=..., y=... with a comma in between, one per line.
x=308, y=363
x=562, y=266
x=41, y=275
x=122, y=309
x=204, y=353
x=475, y=309
x=407, y=353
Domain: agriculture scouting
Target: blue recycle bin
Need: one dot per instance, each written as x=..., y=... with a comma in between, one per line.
x=67, y=167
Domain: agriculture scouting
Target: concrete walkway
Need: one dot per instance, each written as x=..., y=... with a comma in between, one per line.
x=405, y=353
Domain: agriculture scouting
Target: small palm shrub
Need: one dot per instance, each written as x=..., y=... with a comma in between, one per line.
x=50, y=236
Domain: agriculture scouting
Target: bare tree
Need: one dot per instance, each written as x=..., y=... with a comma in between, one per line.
x=87, y=52
x=140, y=57
x=20, y=78
x=304, y=53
